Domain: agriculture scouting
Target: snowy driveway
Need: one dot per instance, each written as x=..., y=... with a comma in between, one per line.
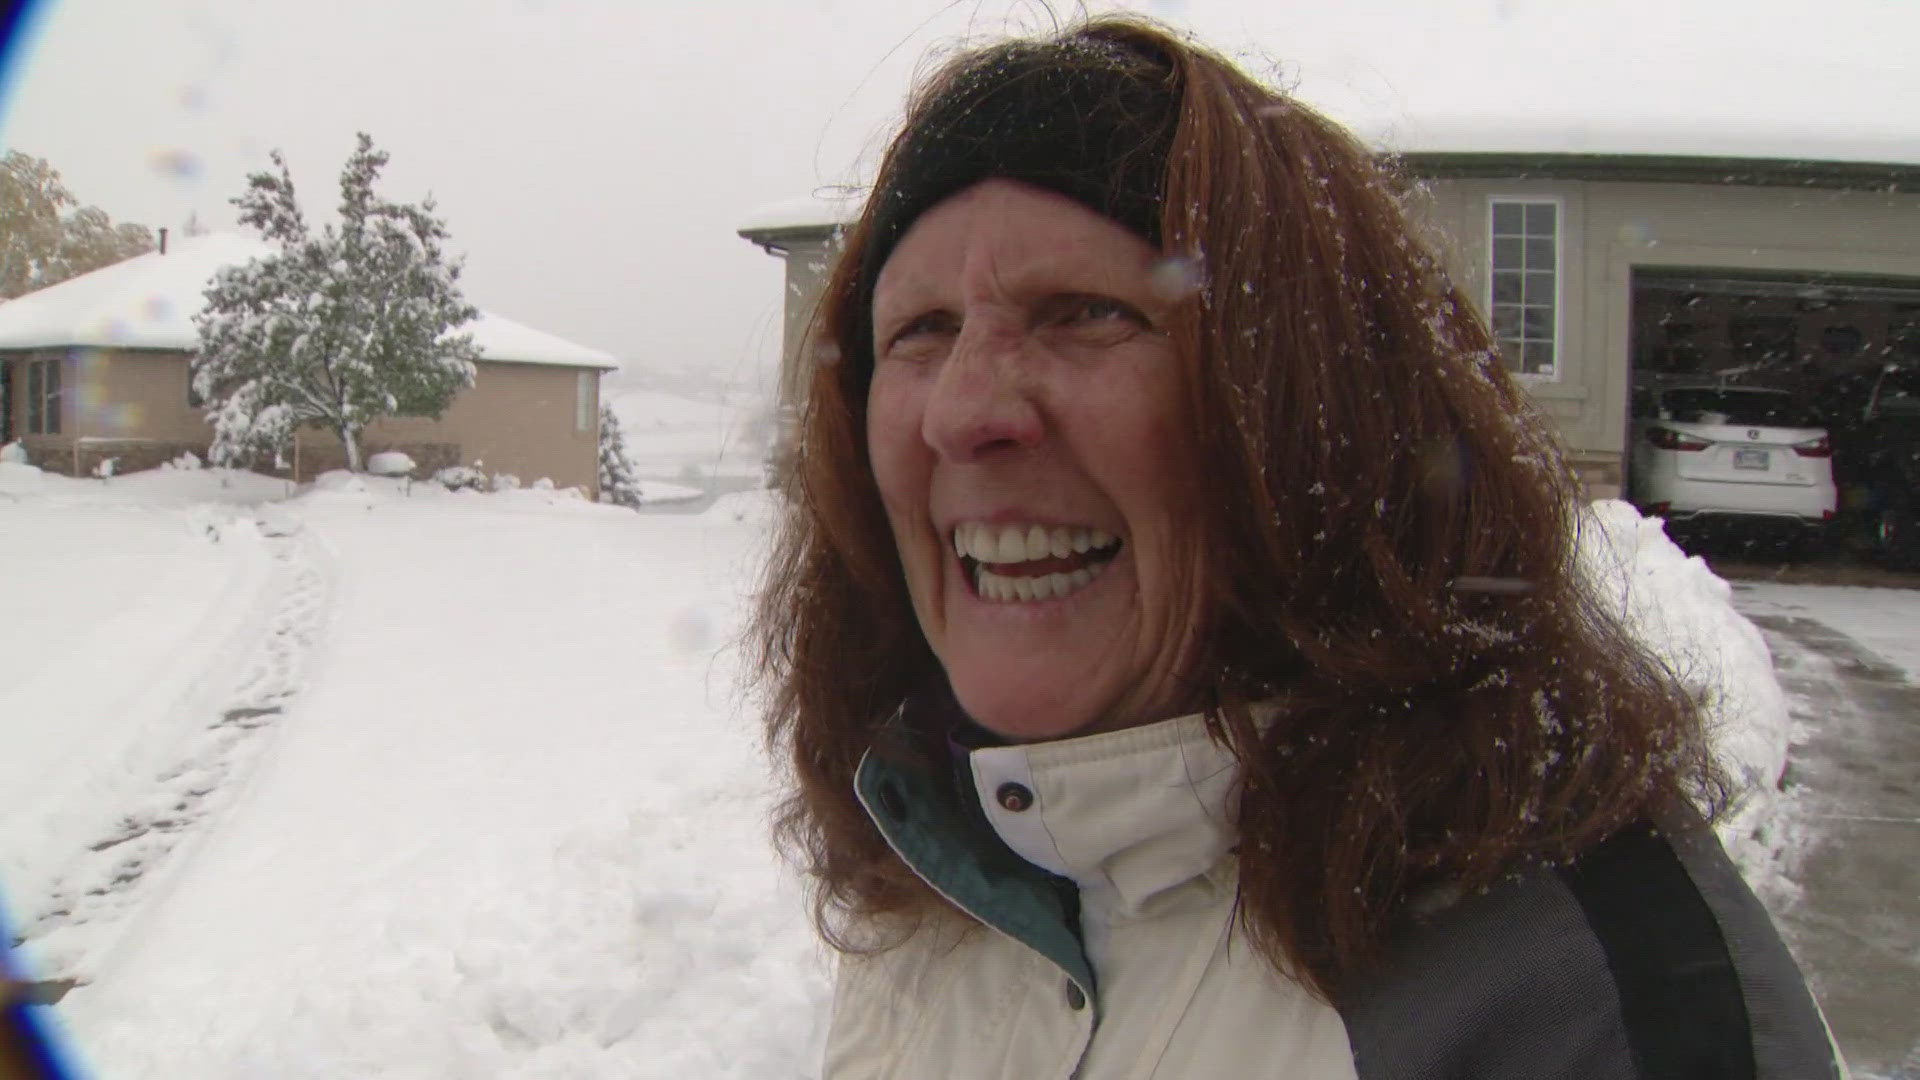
x=1849, y=661
x=132, y=622
x=514, y=824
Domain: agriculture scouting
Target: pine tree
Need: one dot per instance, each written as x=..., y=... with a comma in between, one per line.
x=618, y=484
x=336, y=328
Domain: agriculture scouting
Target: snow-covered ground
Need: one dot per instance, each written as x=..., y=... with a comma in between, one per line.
x=508, y=818
x=367, y=783
x=1886, y=621
x=678, y=436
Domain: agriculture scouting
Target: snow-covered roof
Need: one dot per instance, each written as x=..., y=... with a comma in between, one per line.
x=1623, y=137
x=822, y=212
x=148, y=302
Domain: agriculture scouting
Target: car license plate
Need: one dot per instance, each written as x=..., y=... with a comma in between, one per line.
x=1750, y=459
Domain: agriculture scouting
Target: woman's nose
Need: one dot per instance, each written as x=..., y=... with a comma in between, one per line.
x=981, y=402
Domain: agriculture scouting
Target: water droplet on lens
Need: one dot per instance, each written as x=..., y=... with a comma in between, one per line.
x=691, y=631
x=1176, y=278
x=177, y=163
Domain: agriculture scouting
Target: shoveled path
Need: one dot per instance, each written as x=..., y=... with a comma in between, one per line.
x=1854, y=784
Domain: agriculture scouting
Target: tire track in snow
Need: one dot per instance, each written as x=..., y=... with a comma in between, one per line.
x=75, y=926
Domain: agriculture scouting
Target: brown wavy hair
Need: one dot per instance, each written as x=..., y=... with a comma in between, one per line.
x=1388, y=539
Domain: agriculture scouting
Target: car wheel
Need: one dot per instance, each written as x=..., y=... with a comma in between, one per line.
x=1897, y=536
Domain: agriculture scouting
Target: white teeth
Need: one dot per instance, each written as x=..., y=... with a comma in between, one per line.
x=1011, y=546
x=1024, y=543
x=1007, y=588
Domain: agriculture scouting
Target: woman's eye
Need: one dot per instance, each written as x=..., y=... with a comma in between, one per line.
x=1092, y=311
x=922, y=331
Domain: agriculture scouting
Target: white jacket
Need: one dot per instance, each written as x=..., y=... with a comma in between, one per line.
x=1137, y=819
x=1648, y=956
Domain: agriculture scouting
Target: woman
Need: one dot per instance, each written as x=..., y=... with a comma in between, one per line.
x=1176, y=641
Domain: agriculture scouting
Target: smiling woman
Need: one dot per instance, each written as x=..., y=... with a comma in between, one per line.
x=1175, y=637
x=1024, y=424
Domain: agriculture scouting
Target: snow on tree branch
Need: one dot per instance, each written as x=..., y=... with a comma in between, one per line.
x=337, y=328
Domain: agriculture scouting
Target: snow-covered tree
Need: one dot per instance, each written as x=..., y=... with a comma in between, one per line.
x=618, y=484
x=338, y=327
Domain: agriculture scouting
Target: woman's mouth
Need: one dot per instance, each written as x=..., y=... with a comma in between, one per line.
x=1014, y=563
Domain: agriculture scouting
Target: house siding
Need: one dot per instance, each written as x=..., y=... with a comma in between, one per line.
x=132, y=406
x=808, y=265
x=1609, y=229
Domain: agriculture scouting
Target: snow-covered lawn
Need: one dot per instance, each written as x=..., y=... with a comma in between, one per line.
x=674, y=436
x=509, y=821
x=360, y=783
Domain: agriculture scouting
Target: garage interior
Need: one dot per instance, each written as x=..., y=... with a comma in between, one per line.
x=1802, y=333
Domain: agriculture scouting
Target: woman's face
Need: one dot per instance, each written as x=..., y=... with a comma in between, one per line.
x=1023, y=422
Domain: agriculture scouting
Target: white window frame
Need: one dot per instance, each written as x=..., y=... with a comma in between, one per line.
x=583, y=411
x=1559, y=205
x=44, y=408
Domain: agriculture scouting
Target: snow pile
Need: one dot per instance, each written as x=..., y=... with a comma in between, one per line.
x=19, y=478
x=390, y=463
x=1684, y=612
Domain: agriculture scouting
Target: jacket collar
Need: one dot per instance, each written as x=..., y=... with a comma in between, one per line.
x=1127, y=815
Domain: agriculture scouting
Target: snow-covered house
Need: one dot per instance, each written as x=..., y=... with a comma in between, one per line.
x=97, y=368
x=1610, y=259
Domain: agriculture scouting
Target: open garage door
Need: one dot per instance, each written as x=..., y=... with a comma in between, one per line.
x=1839, y=351
x=1792, y=332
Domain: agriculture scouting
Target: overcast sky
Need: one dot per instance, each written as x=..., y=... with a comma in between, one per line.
x=594, y=157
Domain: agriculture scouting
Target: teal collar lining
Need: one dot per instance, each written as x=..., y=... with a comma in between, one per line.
x=970, y=865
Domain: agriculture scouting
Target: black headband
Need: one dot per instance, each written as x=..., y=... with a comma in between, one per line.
x=1087, y=119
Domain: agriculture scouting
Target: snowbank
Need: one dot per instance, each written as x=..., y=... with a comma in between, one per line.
x=1680, y=608
x=20, y=478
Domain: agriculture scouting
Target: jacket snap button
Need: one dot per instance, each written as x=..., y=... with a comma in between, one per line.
x=892, y=803
x=1014, y=797
x=1076, y=997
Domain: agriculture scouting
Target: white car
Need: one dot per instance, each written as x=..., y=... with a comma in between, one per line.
x=1738, y=453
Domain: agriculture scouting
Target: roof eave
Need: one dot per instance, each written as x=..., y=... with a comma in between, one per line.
x=778, y=238
x=1660, y=169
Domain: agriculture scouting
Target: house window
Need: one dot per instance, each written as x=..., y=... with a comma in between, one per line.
x=1526, y=284
x=583, y=402
x=43, y=397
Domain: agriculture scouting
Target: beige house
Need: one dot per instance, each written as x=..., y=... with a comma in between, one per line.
x=97, y=368
x=1611, y=262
